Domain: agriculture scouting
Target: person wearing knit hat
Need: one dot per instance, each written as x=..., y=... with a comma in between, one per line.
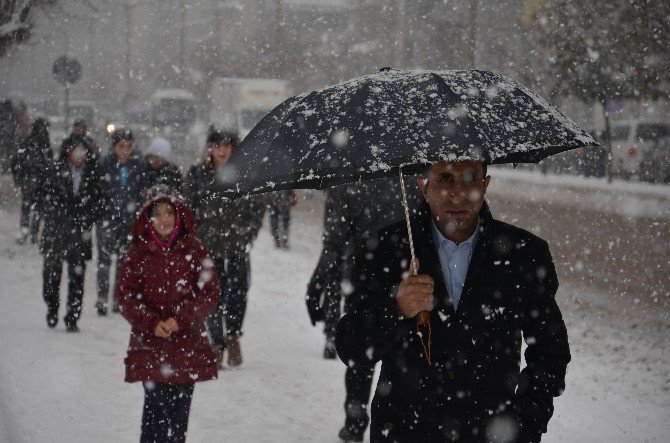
x=161, y=171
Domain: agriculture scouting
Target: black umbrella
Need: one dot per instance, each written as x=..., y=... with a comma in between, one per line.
x=395, y=122
x=372, y=125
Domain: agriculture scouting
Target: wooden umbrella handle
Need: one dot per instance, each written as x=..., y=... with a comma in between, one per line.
x=423, y=318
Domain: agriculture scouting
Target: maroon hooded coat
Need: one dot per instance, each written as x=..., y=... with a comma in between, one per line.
x=157, y=283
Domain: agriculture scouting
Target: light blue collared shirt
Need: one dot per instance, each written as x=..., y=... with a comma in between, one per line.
x=455, y=260
x=76, y=178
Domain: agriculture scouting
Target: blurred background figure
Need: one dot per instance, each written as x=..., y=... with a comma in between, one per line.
x=352, y=213
x=280, y=204
x=125, y=183
x=228, y=229
x=160, y=170
x=10, y=133
x=28, y=165
x=70, y=192
x=79, y=134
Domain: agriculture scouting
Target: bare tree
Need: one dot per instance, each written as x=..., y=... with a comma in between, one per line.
x=16, y=20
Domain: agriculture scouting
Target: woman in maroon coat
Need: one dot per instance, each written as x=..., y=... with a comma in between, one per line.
x=167, y=287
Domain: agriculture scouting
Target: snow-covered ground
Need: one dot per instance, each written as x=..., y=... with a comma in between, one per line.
x=57, y=387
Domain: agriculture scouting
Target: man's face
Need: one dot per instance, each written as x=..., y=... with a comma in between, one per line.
x=79, y=129
x=221, y=153
x=122, y=151
x=77, y=156
x=455, y=193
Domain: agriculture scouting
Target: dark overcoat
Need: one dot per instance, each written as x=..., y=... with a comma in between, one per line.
x=474, y=388
x=168, y=174
x=122, y=203
x=69, y=217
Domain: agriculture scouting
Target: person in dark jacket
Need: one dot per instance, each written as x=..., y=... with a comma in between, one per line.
x=125, y=183
x=279, y=205
x=28, y=165
x=486, y=284
x=70, y=192
x=10, y=133
x=78, y=135
x=352, y=213
x=166, y=289
x=160, y=170
x=228, y=228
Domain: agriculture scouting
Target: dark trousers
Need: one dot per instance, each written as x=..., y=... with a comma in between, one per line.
x=29, y=221
x=280, y=220
x=51, y=277
x=165, y=413
x=111, y=240
x=358, y=383
x=233, y=273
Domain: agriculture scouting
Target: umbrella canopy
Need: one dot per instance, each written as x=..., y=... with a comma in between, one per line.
x=372, y=125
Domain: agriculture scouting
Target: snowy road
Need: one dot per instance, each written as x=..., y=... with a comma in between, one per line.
x=56, y=387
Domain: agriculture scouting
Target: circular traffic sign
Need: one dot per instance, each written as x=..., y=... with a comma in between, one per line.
x=67, y=70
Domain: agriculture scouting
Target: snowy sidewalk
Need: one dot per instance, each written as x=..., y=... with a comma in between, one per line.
x=57, y=387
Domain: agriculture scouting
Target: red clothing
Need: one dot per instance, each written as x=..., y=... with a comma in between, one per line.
x=155, y=284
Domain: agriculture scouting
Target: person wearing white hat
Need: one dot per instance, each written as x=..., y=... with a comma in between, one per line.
x=161, y=171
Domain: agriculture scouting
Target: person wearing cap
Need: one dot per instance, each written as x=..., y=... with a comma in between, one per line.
x=160, y=170
x=70, y=192
x=78, y=135
x=125, y=182
x=227, y=228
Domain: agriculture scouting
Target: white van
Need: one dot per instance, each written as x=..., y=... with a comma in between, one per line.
x=631, y=139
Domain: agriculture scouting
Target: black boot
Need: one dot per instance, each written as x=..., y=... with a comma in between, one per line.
x=71, y=327
x=71, y=324
x=347, y=434
x=52, y=318
x=329, y=351
x=101, y=307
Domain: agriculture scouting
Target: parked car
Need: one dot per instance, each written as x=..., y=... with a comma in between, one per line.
x=655, y=164
x=631, y=140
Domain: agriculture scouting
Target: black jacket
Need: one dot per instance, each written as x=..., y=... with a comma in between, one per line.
x=69, y=217
x=476, y=351
x=168, y=174
x=29, y=161
x=353, y=212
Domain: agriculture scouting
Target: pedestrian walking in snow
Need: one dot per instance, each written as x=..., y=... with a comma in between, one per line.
x=279, y=205
x=486, y=285
x=160, y=170
x=28, y=164
x=352, y=212
x=125, y=183
x=228, y=228
x=70, y=196
x=166, y=289
x=79, y=134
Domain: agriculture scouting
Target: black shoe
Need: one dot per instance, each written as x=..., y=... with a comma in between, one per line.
x=71, y=326
x=115, y=308
x=52, y=319
x=348, y=435
x=329, y=351
x=101, y=308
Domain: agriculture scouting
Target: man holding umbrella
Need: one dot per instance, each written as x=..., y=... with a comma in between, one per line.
x=444, y=298
x=489, y=283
